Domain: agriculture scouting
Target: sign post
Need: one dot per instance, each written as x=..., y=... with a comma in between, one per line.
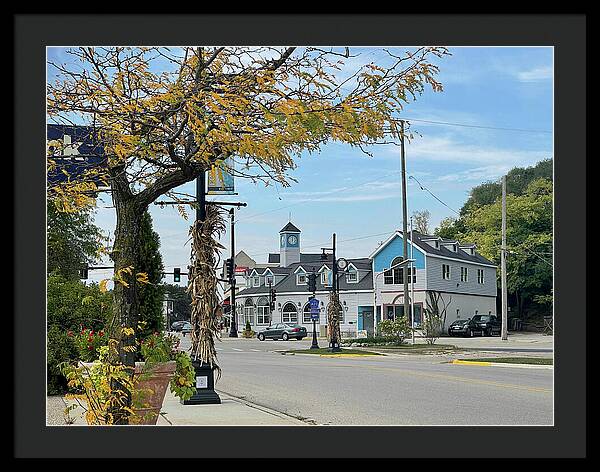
x=314, y=316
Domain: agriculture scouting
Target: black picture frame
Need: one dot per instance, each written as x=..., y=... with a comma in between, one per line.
x=566, y=33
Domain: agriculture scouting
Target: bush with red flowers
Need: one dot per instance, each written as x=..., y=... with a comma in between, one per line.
x=88, y=342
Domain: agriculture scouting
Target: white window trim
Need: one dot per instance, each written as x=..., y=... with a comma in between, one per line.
x=283, y=312
x=269, y=277
x=256, y=281
x=306, y=312
x=464, y=274
x=303, y=274
x=325, y=277
x=444, y=272
x=352, y=272
x=481, y=276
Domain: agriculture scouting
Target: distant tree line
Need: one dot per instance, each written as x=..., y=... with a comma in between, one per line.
x=529, y=234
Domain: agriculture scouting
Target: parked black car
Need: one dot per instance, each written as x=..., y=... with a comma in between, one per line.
x=461, y=328
x=283, y=331
x=177, y=325
x=186, y=328
x=487, y=324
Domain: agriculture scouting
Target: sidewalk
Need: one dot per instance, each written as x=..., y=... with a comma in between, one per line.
x=231, y=412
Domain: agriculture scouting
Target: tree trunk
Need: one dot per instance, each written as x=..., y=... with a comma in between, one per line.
x=126, y=255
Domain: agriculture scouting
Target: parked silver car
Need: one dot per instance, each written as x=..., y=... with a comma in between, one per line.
x=283, y=331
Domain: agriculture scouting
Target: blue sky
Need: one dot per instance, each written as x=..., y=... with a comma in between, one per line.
x=344, y=191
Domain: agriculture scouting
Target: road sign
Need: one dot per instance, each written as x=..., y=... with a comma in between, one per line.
x=314, y=306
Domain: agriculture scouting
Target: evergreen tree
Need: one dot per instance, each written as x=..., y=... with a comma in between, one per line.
x=151, y=294
x=72, y=240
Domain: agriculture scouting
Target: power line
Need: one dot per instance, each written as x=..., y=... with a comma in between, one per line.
x=433, y=195
x=465, y=125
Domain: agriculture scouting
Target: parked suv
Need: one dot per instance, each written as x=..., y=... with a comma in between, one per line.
x=461, y=327
x=487, y=324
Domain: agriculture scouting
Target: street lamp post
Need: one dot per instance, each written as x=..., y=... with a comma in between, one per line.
x=334, y=342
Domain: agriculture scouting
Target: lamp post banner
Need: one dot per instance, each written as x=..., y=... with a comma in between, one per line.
x=220, y=179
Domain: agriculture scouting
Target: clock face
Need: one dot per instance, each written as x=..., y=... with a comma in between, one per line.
x=292, y=240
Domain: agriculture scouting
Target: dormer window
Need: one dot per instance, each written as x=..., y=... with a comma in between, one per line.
x=326, y=277
x=256, y=281
x=269, y=280
x=352, y=276
x=301, y=278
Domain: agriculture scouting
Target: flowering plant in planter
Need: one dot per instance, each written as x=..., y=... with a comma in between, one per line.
x=163, y=348
x=105, y=387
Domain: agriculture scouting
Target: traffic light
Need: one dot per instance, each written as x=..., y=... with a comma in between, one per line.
x=229, y=267
x=176, y=274
x=312, y=282
x=273, y=294
x=83, y=272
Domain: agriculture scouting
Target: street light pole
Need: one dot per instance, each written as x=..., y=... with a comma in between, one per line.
x=334, y=342
x=204, y=374
x=233, y=327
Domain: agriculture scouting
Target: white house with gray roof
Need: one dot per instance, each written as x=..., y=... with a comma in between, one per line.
x=464, y=280
x=289, y=279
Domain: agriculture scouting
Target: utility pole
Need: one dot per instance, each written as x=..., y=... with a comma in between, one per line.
x=233, y=328
x=404, y=217
x=503, y=265
x=412, y=285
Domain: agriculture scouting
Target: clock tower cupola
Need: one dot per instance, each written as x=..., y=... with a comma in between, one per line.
x=289, y=245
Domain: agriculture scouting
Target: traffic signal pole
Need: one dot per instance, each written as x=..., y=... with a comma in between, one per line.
x=233, y=329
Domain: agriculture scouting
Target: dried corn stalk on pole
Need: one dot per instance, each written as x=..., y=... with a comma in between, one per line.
x=203, y=285
x=333, y=319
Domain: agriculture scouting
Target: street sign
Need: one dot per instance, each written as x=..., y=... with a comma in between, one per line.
x=314, y=307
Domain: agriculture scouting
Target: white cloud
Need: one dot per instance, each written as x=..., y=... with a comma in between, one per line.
x=535, y=75
x=447, y=149
x=478, y=174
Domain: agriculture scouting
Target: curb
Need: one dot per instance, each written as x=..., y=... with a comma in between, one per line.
x=262, y=408
x=502, y=364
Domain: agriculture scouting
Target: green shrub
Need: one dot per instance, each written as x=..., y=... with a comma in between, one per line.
x=61, y=348
x=395, y=330
x=71, y=306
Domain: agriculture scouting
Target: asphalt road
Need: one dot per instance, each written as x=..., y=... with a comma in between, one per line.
x=391, y=390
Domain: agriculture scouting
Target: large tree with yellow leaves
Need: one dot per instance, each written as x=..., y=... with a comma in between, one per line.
x=165, y=115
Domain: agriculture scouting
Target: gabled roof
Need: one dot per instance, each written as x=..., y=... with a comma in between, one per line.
x=288, y=284
x=419, y=242
x=442, y=251
x=289, y=228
